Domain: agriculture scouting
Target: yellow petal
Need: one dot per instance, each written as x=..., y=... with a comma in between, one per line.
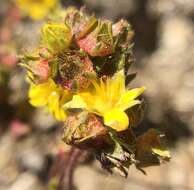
x=50, y=95
x=59, y=114
x=161, y=152
x=116, y=119
x=116, y=85
x=50, y=3
x=76, y=102
x=55, y=102
x=127, y=100
x=39, y=94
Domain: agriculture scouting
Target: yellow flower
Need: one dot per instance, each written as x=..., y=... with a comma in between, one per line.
x=37, y=9
x=109, y=100
x=50, y=95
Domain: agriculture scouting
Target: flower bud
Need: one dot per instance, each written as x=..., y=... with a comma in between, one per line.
x=41, y=70
x=99, y=42
x=85, y=130
x=37, y=65
x=56, y=37
x=92, y=35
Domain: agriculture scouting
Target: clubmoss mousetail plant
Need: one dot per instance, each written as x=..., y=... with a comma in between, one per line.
x=80, y=74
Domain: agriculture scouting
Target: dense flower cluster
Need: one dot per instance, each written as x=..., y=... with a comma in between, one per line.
x=79, y=73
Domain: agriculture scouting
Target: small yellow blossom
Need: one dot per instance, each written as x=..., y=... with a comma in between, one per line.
x=109, y=99
x=50, y=95
x=37, y=9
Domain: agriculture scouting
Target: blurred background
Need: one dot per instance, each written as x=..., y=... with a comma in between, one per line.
x=30, y=139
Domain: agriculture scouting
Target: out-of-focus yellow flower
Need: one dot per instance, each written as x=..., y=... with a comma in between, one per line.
x=50, y=95
x=109, y=99
x=36, y=9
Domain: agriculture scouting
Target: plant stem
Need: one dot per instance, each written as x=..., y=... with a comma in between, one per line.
x=66, y=179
